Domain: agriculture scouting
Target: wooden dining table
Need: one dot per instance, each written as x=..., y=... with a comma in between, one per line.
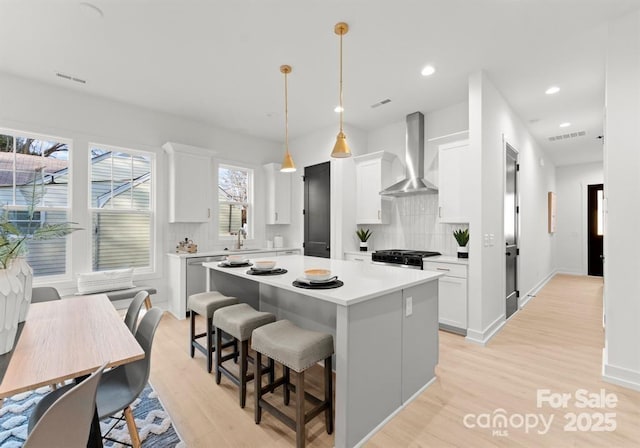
x=68, y=339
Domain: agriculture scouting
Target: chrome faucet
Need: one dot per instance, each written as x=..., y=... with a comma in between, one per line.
x=241, y=233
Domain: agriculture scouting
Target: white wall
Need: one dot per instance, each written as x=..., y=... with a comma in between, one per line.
x=571, y=231
x=491, y=123
x=46, y=109
x=312, y=149
x=622, y=181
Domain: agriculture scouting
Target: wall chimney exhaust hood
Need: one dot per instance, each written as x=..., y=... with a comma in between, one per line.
x=414, y=181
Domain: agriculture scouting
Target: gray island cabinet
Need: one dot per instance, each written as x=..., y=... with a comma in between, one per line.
x=385, y=326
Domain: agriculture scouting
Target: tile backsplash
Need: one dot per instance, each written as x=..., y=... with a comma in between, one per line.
x=414, y=225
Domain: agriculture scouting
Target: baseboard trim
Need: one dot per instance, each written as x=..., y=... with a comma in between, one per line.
x=619, y=375
x=483, y=337
x=534, y=291
x=366, y=438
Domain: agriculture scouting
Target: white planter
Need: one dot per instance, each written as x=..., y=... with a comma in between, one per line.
x=11, y=297
x=463, y=252
x=24, y=272
x=364, y=246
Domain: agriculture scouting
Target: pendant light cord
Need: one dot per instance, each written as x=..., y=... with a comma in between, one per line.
x=341, y=108
x=286, y=115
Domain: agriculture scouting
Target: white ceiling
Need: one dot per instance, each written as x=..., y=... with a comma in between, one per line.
x=218, y=62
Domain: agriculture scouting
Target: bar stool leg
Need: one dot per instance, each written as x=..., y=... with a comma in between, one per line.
x=272, y=372
x=300, y=423
x=244, y=348
x=257, y=382
x=286, y=393
x=192, y=349
x=218, y=351
x=209, y=344
x=328, y=395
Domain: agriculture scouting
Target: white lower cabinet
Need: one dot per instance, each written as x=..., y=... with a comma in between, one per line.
x=355, y=256
x=452, y=295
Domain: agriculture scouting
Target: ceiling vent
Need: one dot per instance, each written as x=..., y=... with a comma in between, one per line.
x=556, y=138
x=380, y=103
x=70, y=78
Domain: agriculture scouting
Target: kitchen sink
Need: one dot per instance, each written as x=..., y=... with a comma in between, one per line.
x=244, y=249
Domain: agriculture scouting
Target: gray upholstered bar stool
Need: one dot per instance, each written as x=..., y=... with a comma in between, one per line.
x=205, y=304
x=297, y=349
x=239, y=321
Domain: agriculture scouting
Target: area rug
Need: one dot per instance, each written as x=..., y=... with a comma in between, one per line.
x=153, y=422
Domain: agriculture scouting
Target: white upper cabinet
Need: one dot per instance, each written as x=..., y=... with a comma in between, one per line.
x=453, y=173
x=278, y=195
x=190, y=183
x=373, y=174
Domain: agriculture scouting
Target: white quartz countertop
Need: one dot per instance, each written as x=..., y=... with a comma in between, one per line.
x=362, y=281
x=447, y=259
x=213, y=253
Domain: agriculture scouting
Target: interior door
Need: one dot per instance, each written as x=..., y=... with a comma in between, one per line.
x=595, y=229
x=511, y=211
x=317, y=210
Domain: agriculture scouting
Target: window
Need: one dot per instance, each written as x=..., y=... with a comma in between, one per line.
x=234, y=198
x=121, y=208
x=27, y=160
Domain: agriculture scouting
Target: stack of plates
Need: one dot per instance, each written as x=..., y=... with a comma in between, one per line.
x=307, y=281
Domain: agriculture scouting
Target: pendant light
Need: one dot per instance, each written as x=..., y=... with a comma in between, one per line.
x=341, y=149
x=287, y=163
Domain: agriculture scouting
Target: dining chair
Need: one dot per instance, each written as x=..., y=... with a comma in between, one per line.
x=131, y=318
x=119, y=387
x=67, y=421
x=44, y=294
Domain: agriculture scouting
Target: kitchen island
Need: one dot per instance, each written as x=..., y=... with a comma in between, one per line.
x=385, y=326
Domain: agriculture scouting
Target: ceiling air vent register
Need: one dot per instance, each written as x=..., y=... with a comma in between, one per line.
x=555, y=138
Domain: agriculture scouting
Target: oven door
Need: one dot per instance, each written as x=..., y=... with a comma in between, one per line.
x=396, y=265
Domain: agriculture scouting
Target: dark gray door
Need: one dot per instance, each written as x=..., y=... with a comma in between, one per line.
x=317, y=210
x=511, y=229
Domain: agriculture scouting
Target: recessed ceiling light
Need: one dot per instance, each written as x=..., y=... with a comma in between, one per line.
x=552, y=90
x=565, y=124
x=338, y=109
x=428, y=70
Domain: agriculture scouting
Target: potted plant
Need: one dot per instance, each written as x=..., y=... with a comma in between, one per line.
x=462, y=237
x=363, y=236
x=15, y=273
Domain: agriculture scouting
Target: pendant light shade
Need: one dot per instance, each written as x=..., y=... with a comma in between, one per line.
x=341, y=148
x=287, y=163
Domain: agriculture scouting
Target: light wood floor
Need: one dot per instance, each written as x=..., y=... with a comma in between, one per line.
x=554, y=343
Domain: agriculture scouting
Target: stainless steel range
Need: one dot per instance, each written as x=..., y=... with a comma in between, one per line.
x=411, y=259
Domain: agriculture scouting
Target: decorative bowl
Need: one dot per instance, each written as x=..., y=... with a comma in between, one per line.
x=236, y=259
x=317, y=274
x=264, y=265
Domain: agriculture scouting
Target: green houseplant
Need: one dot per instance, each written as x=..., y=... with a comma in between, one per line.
x=462, y=238
x=364, y=235
x=15, y=273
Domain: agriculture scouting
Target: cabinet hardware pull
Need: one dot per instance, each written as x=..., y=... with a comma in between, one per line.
x=443, y=269
x=379, y=214
x=208, y=213
x=439, y=212
x=359, y=259
x=276, y=216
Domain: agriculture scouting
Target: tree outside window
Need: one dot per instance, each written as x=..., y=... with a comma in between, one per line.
x=234, y=197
